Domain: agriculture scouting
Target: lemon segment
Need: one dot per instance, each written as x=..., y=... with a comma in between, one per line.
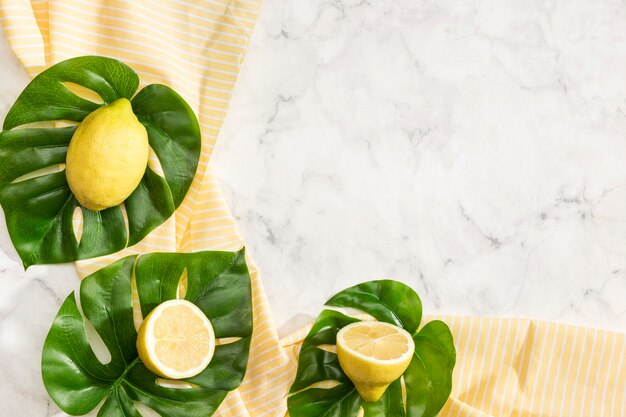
x=373, y=354
x=107, y=156
x=176, y=340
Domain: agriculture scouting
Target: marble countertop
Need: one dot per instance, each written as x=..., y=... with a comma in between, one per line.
x=474, y=150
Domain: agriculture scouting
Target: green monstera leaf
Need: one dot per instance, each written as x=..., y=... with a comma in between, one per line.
x=217, y=282
x=427, y=381
x=39, y=209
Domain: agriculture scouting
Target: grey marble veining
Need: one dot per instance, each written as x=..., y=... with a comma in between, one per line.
x=475, y=150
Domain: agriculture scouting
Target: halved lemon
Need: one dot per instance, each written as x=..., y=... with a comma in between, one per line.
x=374, y=354
x=176, y=340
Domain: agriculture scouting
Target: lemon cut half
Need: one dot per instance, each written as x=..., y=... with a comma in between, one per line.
x=176, y=340
x=374, y=354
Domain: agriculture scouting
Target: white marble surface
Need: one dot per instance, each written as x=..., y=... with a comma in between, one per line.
x=28, y=300
x=475, y=150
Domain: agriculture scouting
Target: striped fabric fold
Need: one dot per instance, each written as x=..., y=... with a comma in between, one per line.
x=505, y=367
x=528, y=368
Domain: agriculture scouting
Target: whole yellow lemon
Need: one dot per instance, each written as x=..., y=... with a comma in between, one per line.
x=107, y=156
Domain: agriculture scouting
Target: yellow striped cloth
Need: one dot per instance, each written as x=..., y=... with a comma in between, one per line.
x=195, y=47
x=505, y=367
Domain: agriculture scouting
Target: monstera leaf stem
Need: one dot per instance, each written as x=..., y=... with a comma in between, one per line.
x=122, y=377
